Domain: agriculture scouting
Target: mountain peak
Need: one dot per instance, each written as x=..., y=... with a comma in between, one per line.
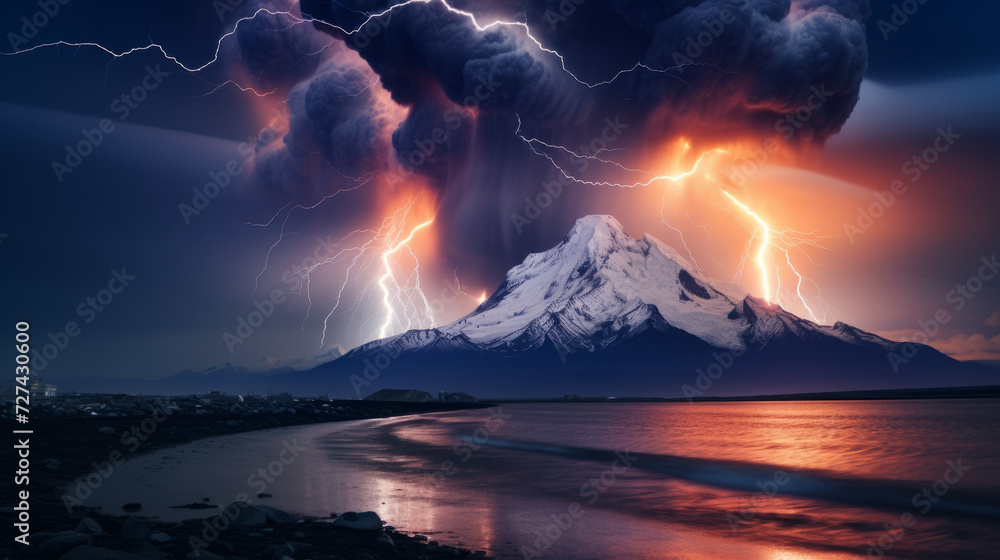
x=601, y=287
x=597, y=231
x=602, y=309
x=597, y=222
x=598, y=284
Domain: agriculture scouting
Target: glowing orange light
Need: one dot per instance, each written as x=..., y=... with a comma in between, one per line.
x=765, y=241
x=771, y=254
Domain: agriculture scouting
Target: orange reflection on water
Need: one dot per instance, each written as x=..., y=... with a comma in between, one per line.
x=857, y=438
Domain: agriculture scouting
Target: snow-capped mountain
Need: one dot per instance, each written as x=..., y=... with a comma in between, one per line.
x=606, y=313
x=600, y=287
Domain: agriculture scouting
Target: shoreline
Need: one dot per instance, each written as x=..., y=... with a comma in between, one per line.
x=67, y=449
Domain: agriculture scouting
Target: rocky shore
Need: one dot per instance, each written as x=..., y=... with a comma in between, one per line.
x=74, y=434
x=257, y=532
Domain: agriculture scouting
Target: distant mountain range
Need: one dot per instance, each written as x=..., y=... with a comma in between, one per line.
x=602, y=313
x=226, y=378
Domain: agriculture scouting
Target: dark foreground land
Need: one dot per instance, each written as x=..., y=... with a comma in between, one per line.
x=73, y=436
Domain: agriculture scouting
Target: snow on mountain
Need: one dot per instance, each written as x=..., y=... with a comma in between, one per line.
x=605, y=313
x=600, y=287
x=599, y=282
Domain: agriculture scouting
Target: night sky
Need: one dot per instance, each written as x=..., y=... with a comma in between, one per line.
x=228, y=166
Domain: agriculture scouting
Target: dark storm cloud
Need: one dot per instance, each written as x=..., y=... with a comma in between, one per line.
x=718, y=71
x=434, y=132
x=278, y=50
x=425, y=46
x=342, y=116
x=753, y=61
x=335, y=123
x=738, y=64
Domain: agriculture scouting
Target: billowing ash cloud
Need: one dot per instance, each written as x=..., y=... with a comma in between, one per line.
x=750, y=61
x=422, y=99
x=711, y=70
x=735, y=64
x=422, y=47
x=435, y=132
x=336, y=124
x=277, y=49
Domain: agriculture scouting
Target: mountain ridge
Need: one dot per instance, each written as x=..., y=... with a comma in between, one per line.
x=606, y=304
x=604, y=313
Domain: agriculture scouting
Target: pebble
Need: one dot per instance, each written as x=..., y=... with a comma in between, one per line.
x=366, y=521
x=88, y=525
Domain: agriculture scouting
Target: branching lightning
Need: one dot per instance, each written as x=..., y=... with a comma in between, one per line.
x=298, y=19
x=778, y=241
x=765, y=243
x=771, y=256
x=381, y=267
x=390, y=266
x=375, y=265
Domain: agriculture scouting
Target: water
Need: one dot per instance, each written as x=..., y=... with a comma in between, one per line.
x=776, y=481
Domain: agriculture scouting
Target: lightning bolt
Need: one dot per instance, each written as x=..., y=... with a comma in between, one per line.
x=385, y=242
x=298, y=20
x=771, y=241
x=533, y=144
x=765, y=242
x=373, y=266
x=157, y=47
x=778, y=241
x=388, y=275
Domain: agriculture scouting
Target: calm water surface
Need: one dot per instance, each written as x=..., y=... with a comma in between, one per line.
x=776, y=481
